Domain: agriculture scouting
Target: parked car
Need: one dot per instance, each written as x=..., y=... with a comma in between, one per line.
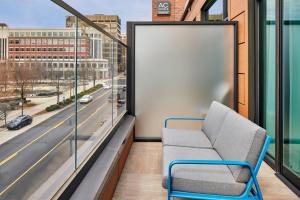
x=19, y=122
x=86, y=99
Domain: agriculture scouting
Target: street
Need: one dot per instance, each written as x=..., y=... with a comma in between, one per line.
x=33, y=156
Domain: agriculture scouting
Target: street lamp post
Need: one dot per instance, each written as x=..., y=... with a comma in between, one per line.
x=57, y=90
x=22, y=99
x=94, y=77
x=70, y=85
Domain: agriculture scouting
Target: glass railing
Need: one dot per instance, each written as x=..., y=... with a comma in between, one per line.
x=62, y=90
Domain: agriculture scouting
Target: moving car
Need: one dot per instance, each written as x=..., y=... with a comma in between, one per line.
x=19, y=122
x=86, y=99
x=106, y=86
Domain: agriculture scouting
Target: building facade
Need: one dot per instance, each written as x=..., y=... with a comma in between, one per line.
x=167, y=10
x=3, y=42
x=111, y=24
x=55, y=51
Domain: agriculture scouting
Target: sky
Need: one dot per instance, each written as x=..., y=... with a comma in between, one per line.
x=46, y=14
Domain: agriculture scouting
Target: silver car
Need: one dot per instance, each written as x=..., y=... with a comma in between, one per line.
x=86, y=99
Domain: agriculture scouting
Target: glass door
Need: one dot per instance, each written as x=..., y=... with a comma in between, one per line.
x=279, y=83
x=267, y=78
x=291, y=90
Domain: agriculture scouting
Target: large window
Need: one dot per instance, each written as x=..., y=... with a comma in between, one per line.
x=279, y=83
x=268, y=71
x=291, y=86
x=215, y=10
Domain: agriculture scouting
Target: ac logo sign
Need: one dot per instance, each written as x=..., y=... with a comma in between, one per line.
x=163, y=7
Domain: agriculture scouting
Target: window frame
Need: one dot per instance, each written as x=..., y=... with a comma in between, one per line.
x=208, y=4
x=290, y=179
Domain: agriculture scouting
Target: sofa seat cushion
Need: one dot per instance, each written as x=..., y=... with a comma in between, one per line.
x=215, y=118
x=185, y=138
x=240, y=139
x=208, y=179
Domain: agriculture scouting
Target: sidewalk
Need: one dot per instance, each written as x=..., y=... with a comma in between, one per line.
x=41, y=104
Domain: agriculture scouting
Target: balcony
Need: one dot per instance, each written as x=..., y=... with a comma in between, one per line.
x=85, y=111
x=141, y=177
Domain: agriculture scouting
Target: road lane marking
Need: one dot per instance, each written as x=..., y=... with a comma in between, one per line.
x=8, y=158
x=50, y=151
x=42, y=135
x=79, y=125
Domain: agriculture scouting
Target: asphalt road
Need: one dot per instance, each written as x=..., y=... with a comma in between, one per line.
x=29, y=159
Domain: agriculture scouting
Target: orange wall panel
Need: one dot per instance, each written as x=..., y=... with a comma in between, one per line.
x=237, y=7
x=238, y=11
x=241, y=88
x=243, y=58
x=241, y=27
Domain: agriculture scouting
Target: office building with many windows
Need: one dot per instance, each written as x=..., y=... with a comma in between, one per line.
x=55, y=49
x=109, y=23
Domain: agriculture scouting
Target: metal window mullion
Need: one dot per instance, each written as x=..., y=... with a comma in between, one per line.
x=279, y=93
x=112, y=83
x=76, y=85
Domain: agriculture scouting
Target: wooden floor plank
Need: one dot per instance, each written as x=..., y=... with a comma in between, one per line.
x=141, y=178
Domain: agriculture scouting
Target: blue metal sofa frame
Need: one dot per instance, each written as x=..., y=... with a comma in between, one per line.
x=249, y=193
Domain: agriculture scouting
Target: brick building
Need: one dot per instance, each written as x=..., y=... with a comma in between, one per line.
x=175, y=10
x=54, y=50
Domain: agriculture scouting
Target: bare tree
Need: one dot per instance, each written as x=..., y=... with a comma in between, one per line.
x=4, y=74
x=4, y=107
x=23, y=76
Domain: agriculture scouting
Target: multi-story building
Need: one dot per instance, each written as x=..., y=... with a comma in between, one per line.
x=111, y=24
x=122, y=66
x=55, y=50
x=3, y=41
x=124, y=38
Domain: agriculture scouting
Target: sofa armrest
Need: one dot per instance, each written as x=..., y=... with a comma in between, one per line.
x=182, y=119
x=217, y=162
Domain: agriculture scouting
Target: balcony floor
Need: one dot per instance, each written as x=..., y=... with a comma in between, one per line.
x=141, y=177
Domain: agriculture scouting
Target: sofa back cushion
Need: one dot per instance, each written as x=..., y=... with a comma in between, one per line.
x=240, y=139
x=215, y=117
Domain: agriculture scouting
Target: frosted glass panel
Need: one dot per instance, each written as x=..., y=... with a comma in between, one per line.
x=180, y=70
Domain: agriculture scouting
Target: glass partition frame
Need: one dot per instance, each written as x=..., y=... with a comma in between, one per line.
x=132, y=70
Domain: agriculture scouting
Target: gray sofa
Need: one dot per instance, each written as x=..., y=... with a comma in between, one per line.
x=225, y=135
